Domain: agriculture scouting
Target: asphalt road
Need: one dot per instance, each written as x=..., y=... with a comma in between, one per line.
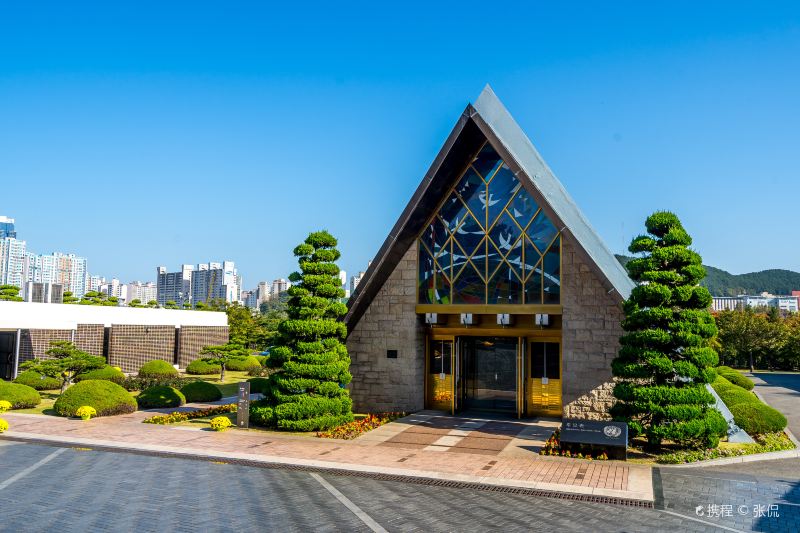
x=45, y=488
x=781, y=391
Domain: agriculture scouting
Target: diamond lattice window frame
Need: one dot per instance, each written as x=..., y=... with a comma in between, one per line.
x=455, y=226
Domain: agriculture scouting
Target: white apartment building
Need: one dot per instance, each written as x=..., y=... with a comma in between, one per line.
x=68, y=270
x=205, y=282
x=354, y=281
x=114, y=288
x=278, y=286
x=12, y=262
x=789, y=304
x=144, y=292
x=95, y=283
x=263, y=292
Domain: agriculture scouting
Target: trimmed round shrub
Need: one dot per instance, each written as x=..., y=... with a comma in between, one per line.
x=261, y=372
x=201, y=391
x=262, y=415
x=19, y=396
x=107, y=373
x=262, y=359
x=3, y=425
x=107, y=399
x=200, y=367
x=757, y=418
x=736, y=378
x=244, y=364
x=736, y=395
x=258, y=385
x=160, y=396
x=5, y=405
x=157, y=369
x=38, y=381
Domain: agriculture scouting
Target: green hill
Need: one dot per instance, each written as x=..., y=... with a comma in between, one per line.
x=721, y=283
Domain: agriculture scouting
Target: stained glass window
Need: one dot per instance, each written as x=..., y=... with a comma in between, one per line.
x=489, y=242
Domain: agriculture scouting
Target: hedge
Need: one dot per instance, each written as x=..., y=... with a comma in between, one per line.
x=749, y=413
x=201, y=391
x=258, y=385
x=244, y=364
x=106, y=397
x=160, y=396
x=262, y=415
x=735, y=377
x=735, y=396
x=201, y=367
x=107, y=373
x=157, y=369
x=134, y=383
x=38, y=381
x=757, y=418
x=19, y=396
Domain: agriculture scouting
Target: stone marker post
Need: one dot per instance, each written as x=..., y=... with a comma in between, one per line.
x=243, y=405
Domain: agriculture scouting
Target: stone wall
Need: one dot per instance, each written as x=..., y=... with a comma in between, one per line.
x=390, y=323
x=35, y=342
x=193, y=338
x=89, y=338
x=591, y=330
x=132, y=346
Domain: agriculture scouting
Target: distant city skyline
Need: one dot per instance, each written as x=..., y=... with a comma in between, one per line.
x=228, y=134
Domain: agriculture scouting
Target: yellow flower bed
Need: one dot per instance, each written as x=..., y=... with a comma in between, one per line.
x=220, y=423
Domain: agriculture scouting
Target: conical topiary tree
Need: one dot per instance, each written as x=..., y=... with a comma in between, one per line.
x=665, y=358
x=307, y=393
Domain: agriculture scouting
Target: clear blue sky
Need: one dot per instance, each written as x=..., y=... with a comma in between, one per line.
x=182, y=132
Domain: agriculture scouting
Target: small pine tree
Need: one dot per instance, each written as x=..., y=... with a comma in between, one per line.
x=70, y=298
x=66, y=362
x=308, y=391
x=666, y=358
x=10, y=293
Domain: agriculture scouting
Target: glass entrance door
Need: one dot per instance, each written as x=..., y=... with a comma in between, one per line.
x=489, y=373
x=544, y=378
x=439, y=382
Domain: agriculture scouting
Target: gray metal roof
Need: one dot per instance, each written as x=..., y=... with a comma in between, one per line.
x=510, y=135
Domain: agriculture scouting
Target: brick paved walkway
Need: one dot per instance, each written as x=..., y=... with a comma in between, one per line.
x=431, y=431
x=366, y=454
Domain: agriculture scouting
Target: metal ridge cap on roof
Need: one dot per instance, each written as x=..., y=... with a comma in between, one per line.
x=508, y=132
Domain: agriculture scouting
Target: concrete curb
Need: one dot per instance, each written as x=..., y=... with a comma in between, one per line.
x=643, y=497
x=753, y=457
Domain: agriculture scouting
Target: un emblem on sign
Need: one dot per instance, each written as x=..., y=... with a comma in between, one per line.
x=612, y=431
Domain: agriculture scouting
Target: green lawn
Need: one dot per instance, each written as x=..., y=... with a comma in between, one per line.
x=44, y=408
x=229, y=387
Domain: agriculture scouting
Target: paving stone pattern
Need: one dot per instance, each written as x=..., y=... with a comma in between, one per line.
x=91, y=491
x=744, y=484
x=88, y=491
x=449, y=434
x=606, y=478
